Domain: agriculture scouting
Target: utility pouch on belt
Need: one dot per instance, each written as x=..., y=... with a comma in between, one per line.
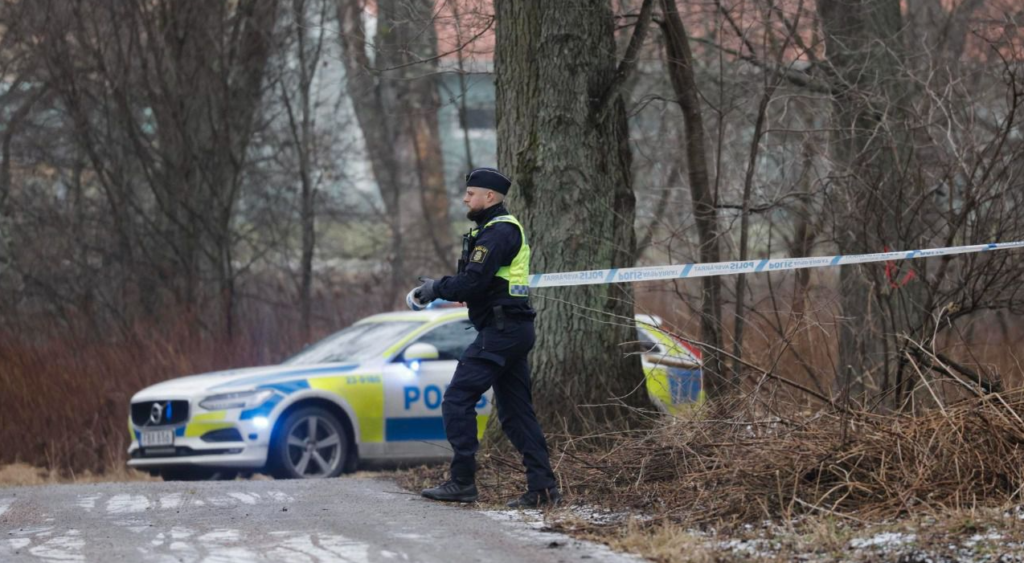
x=468, y=242
x=499, y=317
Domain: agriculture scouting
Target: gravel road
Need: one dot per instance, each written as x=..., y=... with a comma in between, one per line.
x=341, y=520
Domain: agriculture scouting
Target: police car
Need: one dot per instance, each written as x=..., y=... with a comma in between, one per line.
x=371, y=393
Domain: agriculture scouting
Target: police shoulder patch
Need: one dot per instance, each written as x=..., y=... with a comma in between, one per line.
x=479, y=254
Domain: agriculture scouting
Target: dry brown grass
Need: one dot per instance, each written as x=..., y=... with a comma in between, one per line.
x=853, y=464
x=667, y=543
x=22, y=475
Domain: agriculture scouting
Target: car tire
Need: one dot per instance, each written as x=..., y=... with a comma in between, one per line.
x=196, y=474
x=310, y=443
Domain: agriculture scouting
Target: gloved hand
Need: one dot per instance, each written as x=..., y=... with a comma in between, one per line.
x=425, y=293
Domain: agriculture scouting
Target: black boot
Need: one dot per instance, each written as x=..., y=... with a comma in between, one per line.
x=453, y=491
x=536, y=499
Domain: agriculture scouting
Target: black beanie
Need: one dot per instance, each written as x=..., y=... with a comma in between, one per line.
x=488, y=178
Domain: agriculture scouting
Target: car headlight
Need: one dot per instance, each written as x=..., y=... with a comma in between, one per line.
x=239, y=400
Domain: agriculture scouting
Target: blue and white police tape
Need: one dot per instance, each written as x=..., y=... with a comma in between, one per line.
x=685, y=271
x=413, y=303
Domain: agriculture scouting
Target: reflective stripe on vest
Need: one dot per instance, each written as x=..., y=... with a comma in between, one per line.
x=518, y=272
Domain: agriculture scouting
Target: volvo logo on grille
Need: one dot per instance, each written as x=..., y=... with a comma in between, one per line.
x=156, y=412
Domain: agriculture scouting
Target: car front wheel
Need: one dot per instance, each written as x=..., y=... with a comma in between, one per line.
x=310, y=444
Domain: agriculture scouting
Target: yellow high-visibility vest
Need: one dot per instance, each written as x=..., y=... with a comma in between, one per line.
x=518, y=272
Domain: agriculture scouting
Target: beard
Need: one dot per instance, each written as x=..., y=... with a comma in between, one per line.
x=475, y=215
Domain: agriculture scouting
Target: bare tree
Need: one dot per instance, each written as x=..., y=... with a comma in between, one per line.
x=681, y=72
x=563, y=139
x=396, y=100
x=163, y=100
x=309, y=20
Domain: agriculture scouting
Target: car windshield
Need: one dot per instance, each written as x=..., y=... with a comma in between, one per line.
x=356, y=343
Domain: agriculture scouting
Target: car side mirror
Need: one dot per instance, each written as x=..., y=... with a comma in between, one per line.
x=421, y=352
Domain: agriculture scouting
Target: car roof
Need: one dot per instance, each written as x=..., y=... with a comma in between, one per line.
x=452, y=312
x=426, y=316
x=448, y=312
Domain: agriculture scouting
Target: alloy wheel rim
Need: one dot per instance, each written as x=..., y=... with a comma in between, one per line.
x=314, y=447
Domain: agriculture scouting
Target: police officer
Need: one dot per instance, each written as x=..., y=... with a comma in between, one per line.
x=493, y=281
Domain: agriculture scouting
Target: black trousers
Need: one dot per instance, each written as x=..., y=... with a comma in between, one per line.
x=497, y=358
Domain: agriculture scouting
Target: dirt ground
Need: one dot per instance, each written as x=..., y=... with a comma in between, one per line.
x=968, y=536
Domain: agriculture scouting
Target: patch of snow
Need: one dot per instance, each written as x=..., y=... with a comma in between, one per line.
x=280, y=497
x=289, y=555
x=221, y=501
x=757, y=548
x=977, y=538
x=527, y=524
x=349, y=550
x=88, y=502
x=884, y=539
x=168, y=502
x=178, y=533
x=124, y=504
x=531, y=517
x=220, y=536
x=323, y=548
x=230, y=555
x=245, y=498
x=61, y=548
x=596, y=515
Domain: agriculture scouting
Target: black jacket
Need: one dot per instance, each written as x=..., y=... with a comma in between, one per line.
x=478, y=287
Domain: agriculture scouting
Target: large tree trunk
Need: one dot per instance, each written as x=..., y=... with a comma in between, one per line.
x=571, y=186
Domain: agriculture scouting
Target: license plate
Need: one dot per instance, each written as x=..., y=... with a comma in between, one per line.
x=157, y=438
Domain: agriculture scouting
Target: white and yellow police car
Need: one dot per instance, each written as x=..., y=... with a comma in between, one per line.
x=371, y=392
